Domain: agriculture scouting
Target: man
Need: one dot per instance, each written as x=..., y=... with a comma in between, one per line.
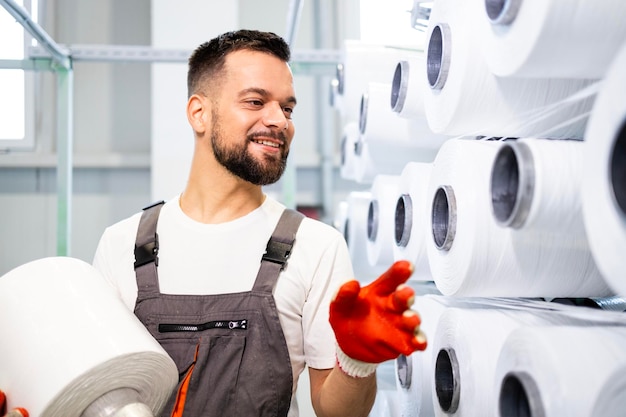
x=242, y=314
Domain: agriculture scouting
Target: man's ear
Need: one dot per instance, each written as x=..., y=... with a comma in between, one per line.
x=198, y=113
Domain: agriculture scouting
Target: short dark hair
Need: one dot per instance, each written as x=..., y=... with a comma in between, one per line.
x=208, y=59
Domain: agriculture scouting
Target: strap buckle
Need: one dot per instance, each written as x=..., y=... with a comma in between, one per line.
x=277, y=252
x=148, y=252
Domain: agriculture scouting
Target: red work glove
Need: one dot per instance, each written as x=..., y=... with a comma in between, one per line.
x=16, y=412
x=374, y=324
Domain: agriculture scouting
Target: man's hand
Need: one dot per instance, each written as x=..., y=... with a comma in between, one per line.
x=374, y=324
x=16, y=412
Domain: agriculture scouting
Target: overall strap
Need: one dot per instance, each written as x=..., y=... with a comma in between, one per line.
x=278, y=250
x=147, y=251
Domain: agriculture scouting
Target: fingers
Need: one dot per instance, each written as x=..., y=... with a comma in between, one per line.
x=398, y=273
x=402, y=298
x=347, y=294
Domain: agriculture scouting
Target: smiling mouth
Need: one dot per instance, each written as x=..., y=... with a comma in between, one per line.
x=266, y=143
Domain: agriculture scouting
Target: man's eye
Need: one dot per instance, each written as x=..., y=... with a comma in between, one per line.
x=256, y=102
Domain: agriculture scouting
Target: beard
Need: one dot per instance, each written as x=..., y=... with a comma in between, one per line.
x=239, y=161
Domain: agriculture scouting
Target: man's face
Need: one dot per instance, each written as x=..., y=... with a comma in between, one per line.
x=251, y=127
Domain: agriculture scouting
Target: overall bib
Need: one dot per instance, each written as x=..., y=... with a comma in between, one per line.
x=230, y=349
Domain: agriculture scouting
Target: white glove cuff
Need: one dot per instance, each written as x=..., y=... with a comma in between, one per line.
x=353, y=367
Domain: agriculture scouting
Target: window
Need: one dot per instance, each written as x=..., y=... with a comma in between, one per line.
x=16, y=86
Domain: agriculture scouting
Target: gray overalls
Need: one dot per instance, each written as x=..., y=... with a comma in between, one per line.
x=230, y=349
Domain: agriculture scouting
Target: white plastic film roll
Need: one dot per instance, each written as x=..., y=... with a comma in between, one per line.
x=535, y=190
x=412, y=219
x=604, y=177
x=466, y=346
x=363, y=63
x=465, y=98
x=552, y=38
x=380, y=220
x=414, y=379
x=349, y=139
x=70, y=342
x=561, y=371
x=356, y=236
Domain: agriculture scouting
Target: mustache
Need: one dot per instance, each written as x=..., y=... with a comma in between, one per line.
x=269, y=134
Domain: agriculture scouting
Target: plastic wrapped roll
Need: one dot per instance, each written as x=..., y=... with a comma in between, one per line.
x=561, y=371
x=604, y=177
x=75, y=349
x=380, y=220
x=412, y=219
x=535, y=190
x=552, y=38
x=465, y=98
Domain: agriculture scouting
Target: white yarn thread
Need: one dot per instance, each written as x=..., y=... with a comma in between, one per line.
x=349, y=139
x=412, y=219
x=535, y=190
x=466, y=346
x=561, y=371
x=73, y=341
x=363, y=63
x=552, y=38
x=467, y=99
x=604, y=177
x=408, y=87
x=415, y=386
x=380, y=220
x=387, y=142
x=356, y=237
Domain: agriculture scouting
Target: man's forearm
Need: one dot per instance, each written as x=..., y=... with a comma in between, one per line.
x=340, y=395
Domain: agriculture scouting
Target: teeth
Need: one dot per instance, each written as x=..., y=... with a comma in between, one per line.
x=267, y=143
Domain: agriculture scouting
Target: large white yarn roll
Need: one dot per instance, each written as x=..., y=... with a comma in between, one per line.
x=363, y=63
x=356, y=236
x=380, y=220
x=349, y=139
x=470, y=254
x=466, y=346
x=535, y=190
x=414, y=381
x=467, y=99
x=604, y=177
x=464, y=239
x=412, y=219
x=561, y=371
x=552, y=38
x=69, y=341
x=387, y=142
x=408, y=87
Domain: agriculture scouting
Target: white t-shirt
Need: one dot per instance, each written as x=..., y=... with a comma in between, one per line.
x=197, y=258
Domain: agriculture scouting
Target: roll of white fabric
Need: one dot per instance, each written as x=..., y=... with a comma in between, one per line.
x=466, y=346
x=412, y=219
x=561, y=371
x=356, y=237
x=70, y=342
x=415, y=372
x=535, y=190
x=380, y=220
x=465, y=98
x=604, y=177
x=552, y=38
